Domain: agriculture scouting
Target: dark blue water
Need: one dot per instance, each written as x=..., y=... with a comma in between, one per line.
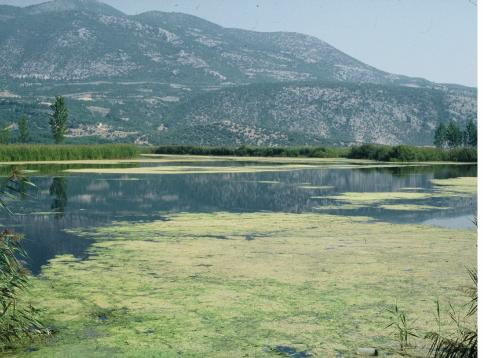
x=62, y=202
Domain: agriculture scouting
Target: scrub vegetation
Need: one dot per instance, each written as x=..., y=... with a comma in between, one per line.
x=405, y=153
x=399, y=153
x=248, y=151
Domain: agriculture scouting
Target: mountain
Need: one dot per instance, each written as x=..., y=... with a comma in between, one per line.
x=61, y=6
x=312, y=113
x=160, y=76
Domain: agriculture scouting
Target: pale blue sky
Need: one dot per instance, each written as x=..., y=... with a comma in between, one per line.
x=434, y=39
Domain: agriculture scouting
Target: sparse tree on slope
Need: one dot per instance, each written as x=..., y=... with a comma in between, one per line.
x=58, y=119
x=23, y=130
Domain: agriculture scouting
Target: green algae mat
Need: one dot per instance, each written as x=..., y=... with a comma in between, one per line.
x=244, y=285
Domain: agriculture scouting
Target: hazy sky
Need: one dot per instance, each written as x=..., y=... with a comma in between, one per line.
x=434, y=39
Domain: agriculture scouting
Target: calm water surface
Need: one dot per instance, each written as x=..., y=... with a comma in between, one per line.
x=65, y=201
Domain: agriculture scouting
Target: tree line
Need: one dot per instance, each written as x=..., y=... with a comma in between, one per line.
x=379, y=152
x=58, y=119
x=446, y=135
x=452, y=136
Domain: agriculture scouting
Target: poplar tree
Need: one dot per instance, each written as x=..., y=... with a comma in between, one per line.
x=440, y=136
x=58, y=119
x=454, y=136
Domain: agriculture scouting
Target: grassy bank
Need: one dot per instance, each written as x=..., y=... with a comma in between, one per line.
x=400, y=153
x=37, y=152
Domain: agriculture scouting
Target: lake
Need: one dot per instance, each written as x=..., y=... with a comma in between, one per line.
x=64, y=201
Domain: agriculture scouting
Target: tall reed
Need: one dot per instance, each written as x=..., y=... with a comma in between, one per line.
x=37, y=152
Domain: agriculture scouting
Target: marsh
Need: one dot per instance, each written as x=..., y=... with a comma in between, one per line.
x=174, y=255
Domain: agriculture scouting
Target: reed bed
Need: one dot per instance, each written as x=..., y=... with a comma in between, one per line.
x=39, y=152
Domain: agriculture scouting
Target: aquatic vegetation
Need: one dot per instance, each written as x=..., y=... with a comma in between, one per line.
x=17, y=319
x=185, y=169
x=397, y=200
x=411, y=207
x=225, y=284
x=401, y=326
x=339, y=207
x=369, y=198
x=395, y=207
x=465, y=185
x=315, y=187
x=36, y=152
x=249, y=284
x=463, y=340
x=454, y=337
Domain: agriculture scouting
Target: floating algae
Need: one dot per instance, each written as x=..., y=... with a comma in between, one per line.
x=169, y=288
x=462, y=185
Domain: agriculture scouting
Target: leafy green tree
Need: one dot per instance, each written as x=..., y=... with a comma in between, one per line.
x=440, y=136
x=58, y=119
x=470, y=134
x=5, y=135
x=23, y=130
x=454, y=136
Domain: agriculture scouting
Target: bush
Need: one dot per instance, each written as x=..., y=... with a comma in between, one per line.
x=385, y=153
x=402, y=153
x=463, y=155
x=248, y=151
x=405, y=153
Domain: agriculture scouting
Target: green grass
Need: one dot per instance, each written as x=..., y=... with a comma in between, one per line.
x=38, y=152
x=400, y=153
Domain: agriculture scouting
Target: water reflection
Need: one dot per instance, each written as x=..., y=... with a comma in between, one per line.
x=58, y=190
x=84, y=201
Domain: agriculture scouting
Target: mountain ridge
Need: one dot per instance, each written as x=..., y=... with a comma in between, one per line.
x=71, y=5
x=133, y=73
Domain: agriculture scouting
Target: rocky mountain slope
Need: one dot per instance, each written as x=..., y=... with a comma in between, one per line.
x=314, y=113
x=172, y=77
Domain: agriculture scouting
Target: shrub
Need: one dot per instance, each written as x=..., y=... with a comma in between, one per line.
x=402, y=153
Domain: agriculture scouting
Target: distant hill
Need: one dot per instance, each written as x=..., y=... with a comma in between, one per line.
x=164, y=77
